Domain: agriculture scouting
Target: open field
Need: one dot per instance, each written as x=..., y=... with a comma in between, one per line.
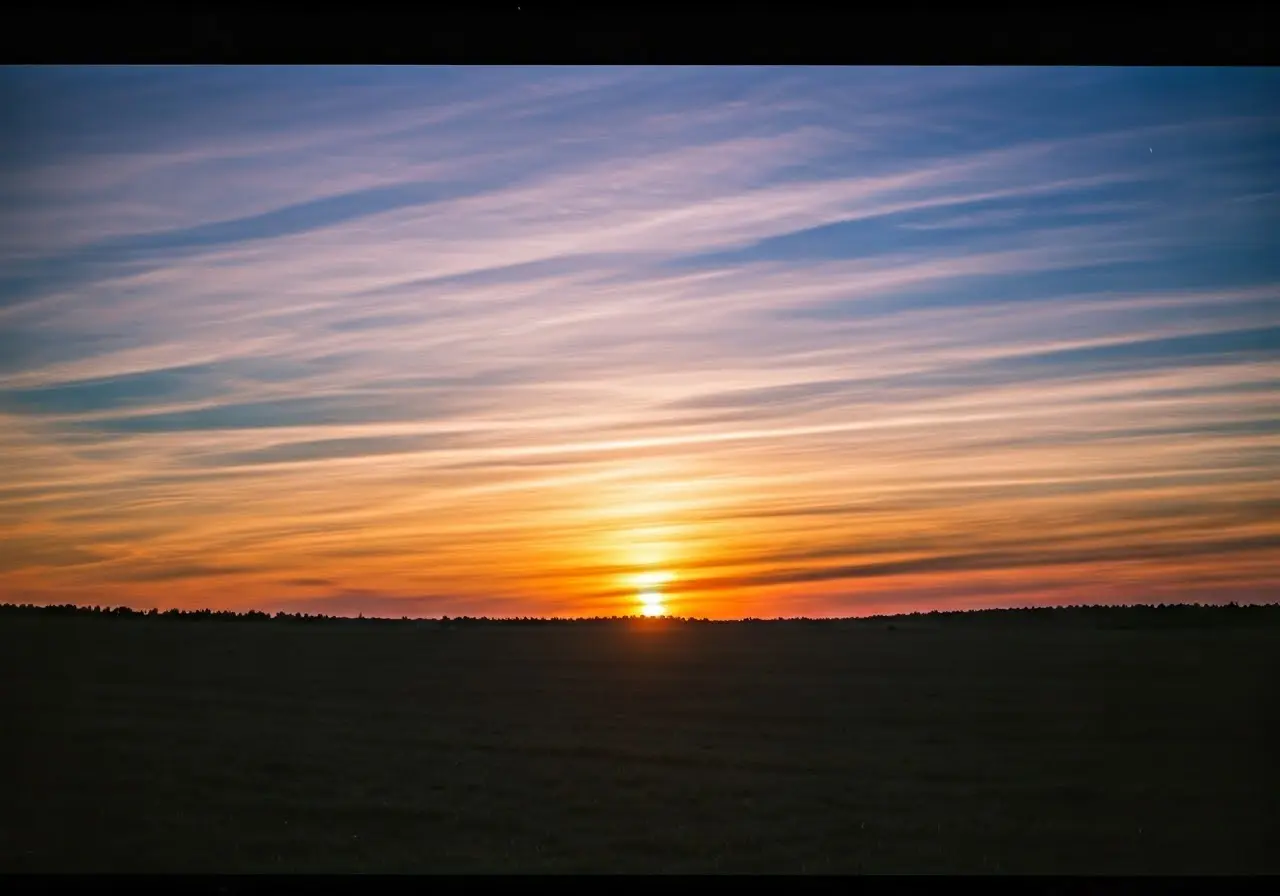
x=149, y=744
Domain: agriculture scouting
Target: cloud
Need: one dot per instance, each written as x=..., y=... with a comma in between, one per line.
x=324, y=449
x=191, y=571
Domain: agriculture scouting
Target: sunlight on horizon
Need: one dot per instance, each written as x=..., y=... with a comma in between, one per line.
x=649, y=594
x=652, y=603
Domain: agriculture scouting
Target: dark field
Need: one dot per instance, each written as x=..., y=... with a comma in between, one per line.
x=150, y=744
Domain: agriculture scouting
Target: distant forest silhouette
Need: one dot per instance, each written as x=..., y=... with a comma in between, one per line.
x=1125, y=616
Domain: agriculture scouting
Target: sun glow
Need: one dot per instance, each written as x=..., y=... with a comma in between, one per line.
x=651, y=581
x=649, y=585
x=651, y=603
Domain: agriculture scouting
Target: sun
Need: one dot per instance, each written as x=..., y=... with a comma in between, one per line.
x=651, y=603
x=648, y=586
x=652, y=600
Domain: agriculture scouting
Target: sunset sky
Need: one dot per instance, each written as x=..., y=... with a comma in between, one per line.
x=751, y=341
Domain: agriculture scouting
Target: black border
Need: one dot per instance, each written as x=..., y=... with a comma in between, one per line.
x=245, y=885
x=535, y=32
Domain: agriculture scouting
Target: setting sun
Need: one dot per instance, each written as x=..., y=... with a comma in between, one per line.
x=652, y=600
x=651, y=603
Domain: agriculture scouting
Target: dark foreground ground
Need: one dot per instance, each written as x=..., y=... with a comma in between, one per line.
x=155, y=745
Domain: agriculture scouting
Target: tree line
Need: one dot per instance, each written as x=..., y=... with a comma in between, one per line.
x=1163, y=615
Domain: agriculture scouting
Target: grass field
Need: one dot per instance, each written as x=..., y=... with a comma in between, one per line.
x=155, y=745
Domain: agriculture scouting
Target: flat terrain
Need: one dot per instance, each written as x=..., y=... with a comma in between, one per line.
x=158, y=745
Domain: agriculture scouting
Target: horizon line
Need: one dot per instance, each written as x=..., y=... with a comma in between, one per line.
x=260, y=615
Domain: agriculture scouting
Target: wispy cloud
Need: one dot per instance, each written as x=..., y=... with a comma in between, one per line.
x=813, y=340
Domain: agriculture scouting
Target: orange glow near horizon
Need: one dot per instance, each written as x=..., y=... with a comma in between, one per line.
x=749, y=551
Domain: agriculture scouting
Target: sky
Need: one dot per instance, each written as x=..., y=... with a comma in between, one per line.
x=715, y=342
